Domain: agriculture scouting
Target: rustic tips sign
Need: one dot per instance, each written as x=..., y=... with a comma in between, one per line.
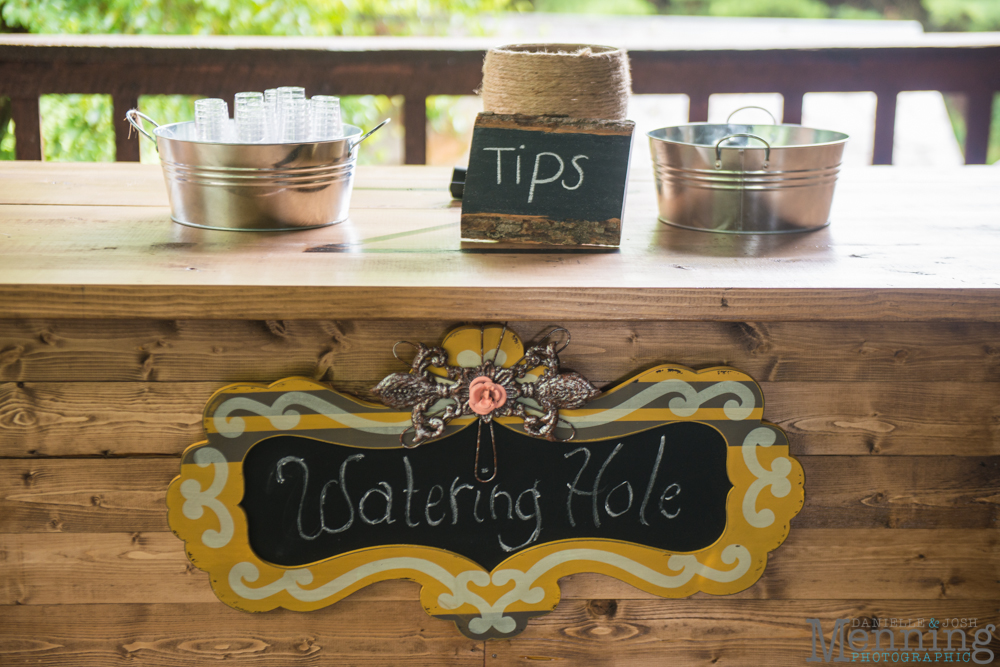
x=302, y=495
x=546, y=180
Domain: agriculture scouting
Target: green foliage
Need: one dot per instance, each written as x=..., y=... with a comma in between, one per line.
x=855, y=13
x=993, y=152
x=163, y=109
x=958, y=125
x=963, y=15
x=77, y=128
x=801, y=9
x=243, y=17
x=639, y=7
x=7, y=143
x=440, y=115
x=366, y=111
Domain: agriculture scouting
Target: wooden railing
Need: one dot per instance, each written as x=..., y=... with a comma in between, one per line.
x=126, y=67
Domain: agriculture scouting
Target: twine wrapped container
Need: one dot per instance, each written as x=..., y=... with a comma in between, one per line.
x=574, y=80
x=552, y=107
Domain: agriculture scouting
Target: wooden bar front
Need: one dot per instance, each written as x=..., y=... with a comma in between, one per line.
x=876, y=342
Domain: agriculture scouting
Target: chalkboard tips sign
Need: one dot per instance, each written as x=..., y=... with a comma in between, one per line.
x=546, y=179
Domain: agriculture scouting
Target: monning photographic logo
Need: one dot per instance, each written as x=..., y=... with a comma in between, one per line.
x=876, y=641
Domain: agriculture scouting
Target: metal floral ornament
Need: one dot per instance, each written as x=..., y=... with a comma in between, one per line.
x=437, y=392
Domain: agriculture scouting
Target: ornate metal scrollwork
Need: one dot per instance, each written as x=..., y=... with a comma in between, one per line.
x=505, y=391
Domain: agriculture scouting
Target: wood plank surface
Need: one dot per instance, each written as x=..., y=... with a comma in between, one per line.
x=128, y=261
x=352, y=351
x=200, y=634
x=120, y=419
x=711, y=632
x=128, y=495
x=401, y=223
x=579, y=632
x=603, y=304
x=125, y=568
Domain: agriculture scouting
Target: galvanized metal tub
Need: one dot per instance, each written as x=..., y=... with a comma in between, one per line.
x=255, y=187
x=745, y=179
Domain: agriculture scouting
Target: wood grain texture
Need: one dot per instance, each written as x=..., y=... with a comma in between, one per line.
x=885, y=124
x=351, y=351
x=126, y=262
x=604, y=304
x=128, y=495
x=539, y=229
x=106, y=419
x=590, y=632
x=817, y=564
x=125, y=568
x=200, y=634
x=707, y=632
x=120, y=419
x=92, y=495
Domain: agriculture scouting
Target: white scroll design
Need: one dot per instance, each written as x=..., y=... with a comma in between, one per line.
x=284, y=418
x=491, y=616
x=196, y=499
x=776, y=477
x=687, y=566
x=685, y=405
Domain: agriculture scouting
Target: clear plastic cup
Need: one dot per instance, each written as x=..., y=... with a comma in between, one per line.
x=291, y=106
x=294, y=118
x=250, y=121
x=272, y=115
x=211, y=118
x=325, y=122
x=293, y=92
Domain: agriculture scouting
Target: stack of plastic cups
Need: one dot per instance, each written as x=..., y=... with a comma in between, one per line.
x=325, y=120
x=293, y=109
x=211, y=116
x=276, y=115
x=272, y=115
x=250, y=117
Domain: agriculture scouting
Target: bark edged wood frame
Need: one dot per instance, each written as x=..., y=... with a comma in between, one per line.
x=302, y=495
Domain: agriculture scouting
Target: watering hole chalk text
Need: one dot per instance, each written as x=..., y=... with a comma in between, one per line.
x=307, y=500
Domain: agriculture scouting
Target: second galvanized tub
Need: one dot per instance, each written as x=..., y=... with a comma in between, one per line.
x=746, y=179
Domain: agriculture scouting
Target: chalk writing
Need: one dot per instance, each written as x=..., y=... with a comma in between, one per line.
x=306, y=500
x=570, y=175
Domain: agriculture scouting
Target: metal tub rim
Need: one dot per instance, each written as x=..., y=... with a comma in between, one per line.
x=745, y=179
x=743, y=127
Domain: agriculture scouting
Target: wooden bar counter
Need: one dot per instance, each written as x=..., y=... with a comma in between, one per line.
x=876, y=342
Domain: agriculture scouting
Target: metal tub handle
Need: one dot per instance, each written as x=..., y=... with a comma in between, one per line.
x=367, y=134
x=774, y=121
x=133, y=116
x=718, y=147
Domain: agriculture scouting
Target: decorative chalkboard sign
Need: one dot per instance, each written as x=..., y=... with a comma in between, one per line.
x=302, y=495
x=546, y=179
